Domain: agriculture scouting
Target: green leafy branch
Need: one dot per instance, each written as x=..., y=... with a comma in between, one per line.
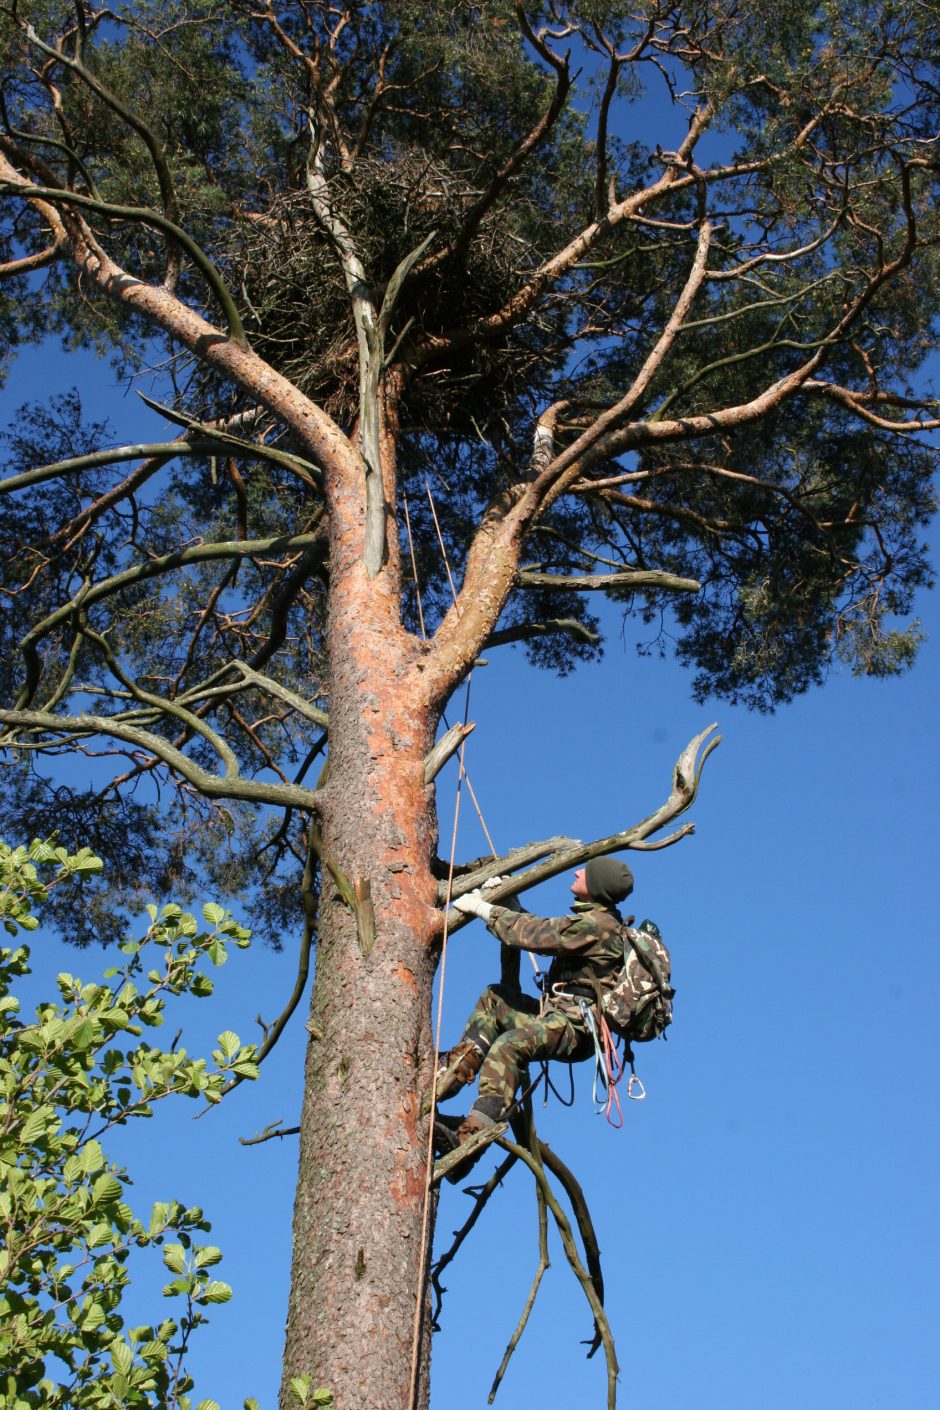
x=66, y=1230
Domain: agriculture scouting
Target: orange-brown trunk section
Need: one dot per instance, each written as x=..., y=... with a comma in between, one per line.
x=361, y=1183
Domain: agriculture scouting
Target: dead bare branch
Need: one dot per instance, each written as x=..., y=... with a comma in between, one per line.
x=544, y=1264
x=272, y=1130
x=553, y=626
x=569, y=1244
x=567, y=854
x=631, y=579
x=445, y=748
x=480, y=1194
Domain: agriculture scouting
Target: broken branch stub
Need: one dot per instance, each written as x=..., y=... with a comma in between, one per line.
x=446, y=746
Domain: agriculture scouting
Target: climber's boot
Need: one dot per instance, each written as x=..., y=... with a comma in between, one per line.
x=471, y=1126
x=445, y=1133
x=457, y=1068
x=471, y=1138
x=485, y=1112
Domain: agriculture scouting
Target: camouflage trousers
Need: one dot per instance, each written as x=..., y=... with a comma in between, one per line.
x=508, y=1026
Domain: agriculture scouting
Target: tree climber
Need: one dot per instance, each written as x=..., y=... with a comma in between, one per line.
x=509, y=1029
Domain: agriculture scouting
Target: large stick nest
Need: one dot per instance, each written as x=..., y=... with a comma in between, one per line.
x=297, y=307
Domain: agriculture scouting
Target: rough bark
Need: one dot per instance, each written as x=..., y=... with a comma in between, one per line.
x=361, y=1184
x=361, y=1178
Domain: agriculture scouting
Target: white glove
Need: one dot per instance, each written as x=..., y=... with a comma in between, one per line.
x=473, y=904
x=511, y=903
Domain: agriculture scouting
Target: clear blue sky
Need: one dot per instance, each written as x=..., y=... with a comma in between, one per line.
x=769, y=1216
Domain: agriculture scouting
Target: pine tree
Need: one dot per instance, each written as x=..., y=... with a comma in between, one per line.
x=419, y=285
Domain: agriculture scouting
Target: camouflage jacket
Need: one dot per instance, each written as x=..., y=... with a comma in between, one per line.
x=586, y=947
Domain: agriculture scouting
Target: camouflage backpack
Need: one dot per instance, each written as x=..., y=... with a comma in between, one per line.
x=638, y=1005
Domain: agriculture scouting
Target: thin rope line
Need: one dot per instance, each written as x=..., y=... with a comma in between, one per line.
x=479, y=811
x=461, y=776
x=486, y=832
x=414, y=566
x=450, y=576
x=429, y=1157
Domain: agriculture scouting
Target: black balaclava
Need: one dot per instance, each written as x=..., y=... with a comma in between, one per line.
x=608, y=880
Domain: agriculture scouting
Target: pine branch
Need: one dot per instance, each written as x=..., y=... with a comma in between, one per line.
x=173, y=708
x=860, y=404
x=534, y=1163
x=544, y=1264
x=164, y=450
x=28, y=264
x=311, y=474
x=552, y=626
x=143, y=130
x=523, y=149
x=631, y=579
x=444, y=749
x=43, y=723
x=269, y=1133
x=480, y=1195
x=281, y=692
x=142, y=215
x=141, y=572
x=582, y=1214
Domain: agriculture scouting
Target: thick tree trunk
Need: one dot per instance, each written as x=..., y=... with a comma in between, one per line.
x=361, y=1185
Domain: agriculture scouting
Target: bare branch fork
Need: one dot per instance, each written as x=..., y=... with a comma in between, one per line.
x=631, y=579
x=273, y=1130
x=140, y=572
x=228, y=786
x=541, y=1160
x=533, y=1152
x=551, y=626
x=480, y=1195
x=565, y=853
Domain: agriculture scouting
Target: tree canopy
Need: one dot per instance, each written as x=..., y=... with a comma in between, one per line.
x=720, y=339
